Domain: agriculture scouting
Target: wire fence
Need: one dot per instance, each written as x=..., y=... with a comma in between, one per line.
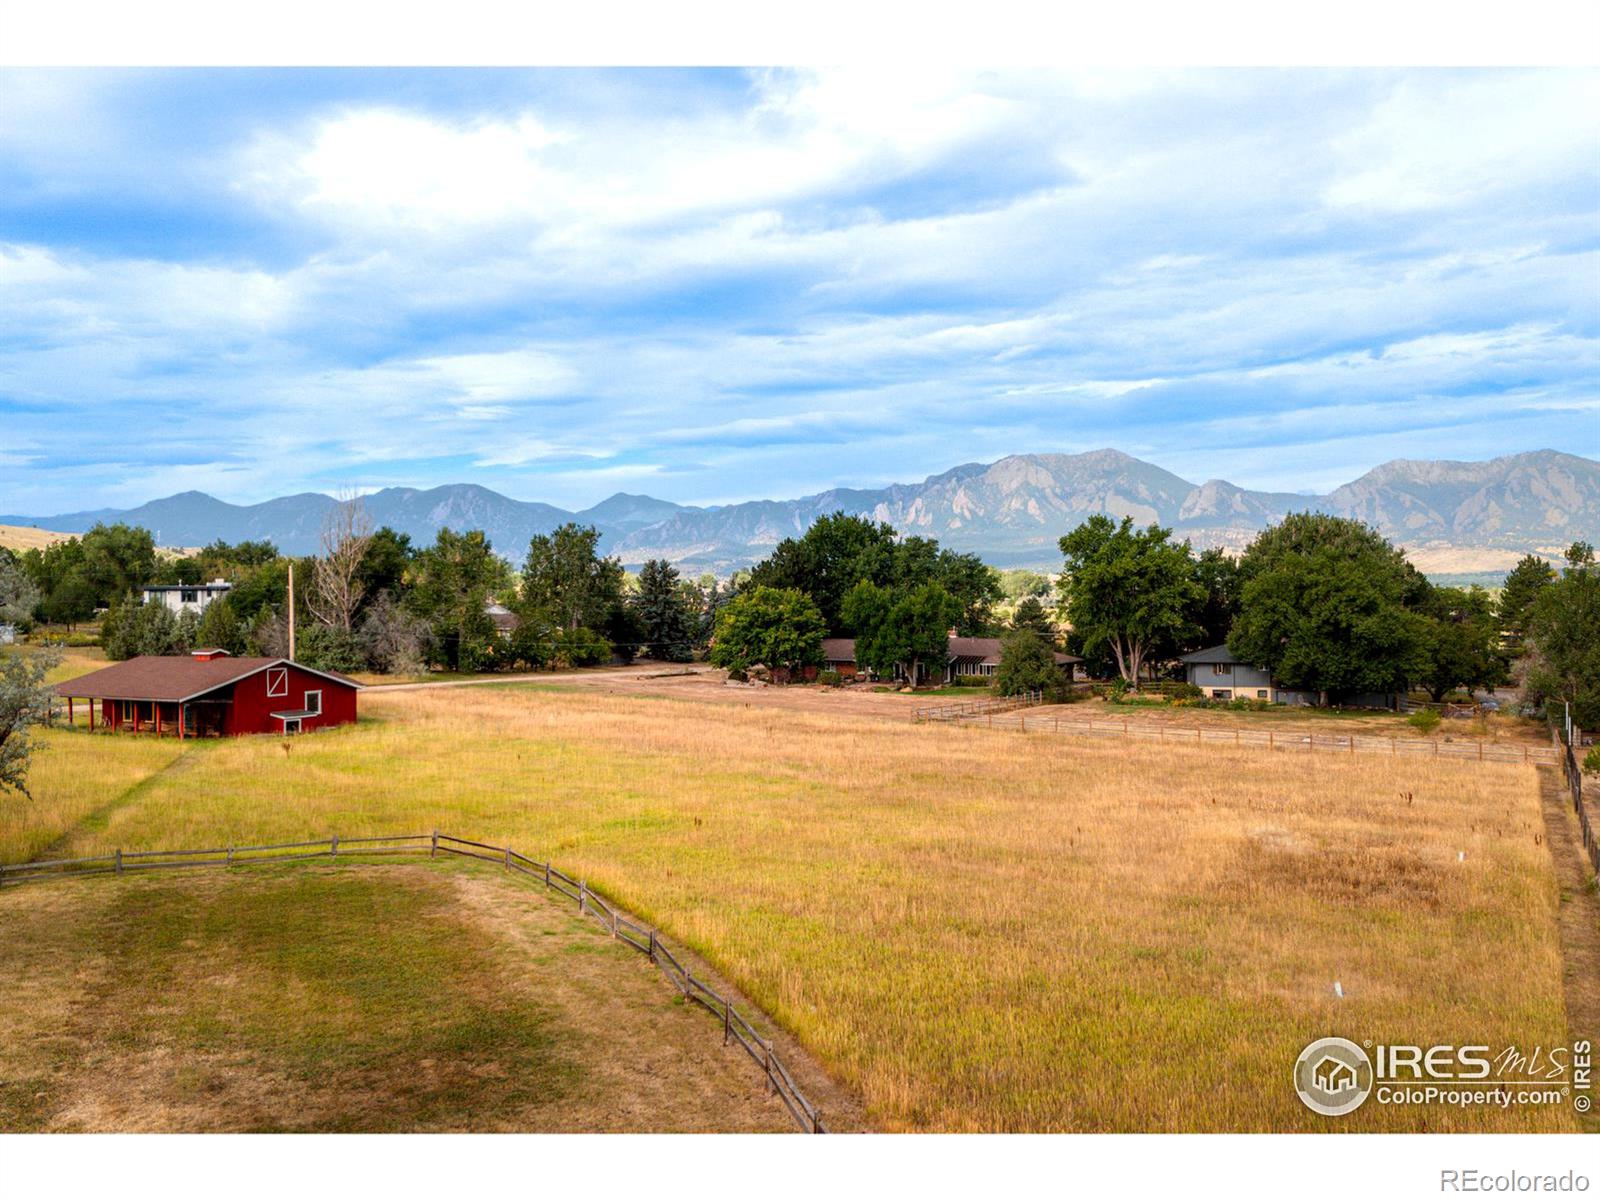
x=967, y=709
x=1287, y=740
x=612, y=917
x=1563, y=742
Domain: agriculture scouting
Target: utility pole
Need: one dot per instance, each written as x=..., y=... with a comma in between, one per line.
x=291, y=610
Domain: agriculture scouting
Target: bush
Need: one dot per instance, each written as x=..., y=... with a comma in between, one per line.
x=1182, y=691
x=1117, y=690
x=978, y=681
x=1591, y=761
x=829, y=678
x=1424, y=720
x=327, y=648
x=580, y=647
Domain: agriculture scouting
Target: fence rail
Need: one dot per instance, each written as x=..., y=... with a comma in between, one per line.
x=977, y=708
x=1563, y=746
x=736, y=1027
x=1287, y=740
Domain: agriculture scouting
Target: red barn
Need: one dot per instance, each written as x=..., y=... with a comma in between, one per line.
x=210, y=693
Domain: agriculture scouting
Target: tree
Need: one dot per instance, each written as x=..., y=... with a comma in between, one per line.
x=1463, y=642
x=825, y=562
x=329, y=648
x=1523, y=584
x=565, y=576
x=66, y=595
x=1564, y=639
x=1129, y=591
x=1027, y=662
x=220, y=628
x=133, y=629
x=1031, y=615
x=19, y=596
x=393, y=640
x=665, y=623
x=901, y=631
x=780, y=627
x=1019, y=584
x=1217, y=574
x=337, y=584
x=117, y=560
x=454, y=578
x=384, y=565
x=24, y=704
x=1326, y=604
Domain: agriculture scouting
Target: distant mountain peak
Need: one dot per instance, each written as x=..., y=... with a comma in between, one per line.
x=1011, y=511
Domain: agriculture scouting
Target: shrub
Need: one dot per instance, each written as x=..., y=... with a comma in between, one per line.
x=1182, y=691
x=1591, y=761
x=1424, y=720
x=829, y=678
x=580, y=647
x=980, y=681
x=1117, y=690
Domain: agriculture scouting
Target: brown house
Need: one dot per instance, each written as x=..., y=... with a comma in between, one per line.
x=966, y=656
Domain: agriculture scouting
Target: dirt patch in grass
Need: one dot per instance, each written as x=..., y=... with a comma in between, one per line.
x=346, y=998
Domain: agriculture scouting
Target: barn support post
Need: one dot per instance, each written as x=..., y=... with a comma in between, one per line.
x=71, y=716
x=91, y=716
x=157, y=706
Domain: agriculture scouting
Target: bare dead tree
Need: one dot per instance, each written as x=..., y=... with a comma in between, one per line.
x=336, y=579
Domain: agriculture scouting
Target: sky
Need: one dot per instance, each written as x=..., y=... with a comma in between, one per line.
x=712, y=286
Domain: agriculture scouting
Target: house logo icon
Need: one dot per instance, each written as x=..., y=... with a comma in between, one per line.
x=1333, y=1076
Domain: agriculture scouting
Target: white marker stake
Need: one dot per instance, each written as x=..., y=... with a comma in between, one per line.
x=1337, y=990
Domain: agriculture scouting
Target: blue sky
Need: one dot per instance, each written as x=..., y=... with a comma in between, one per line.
x=720, y=285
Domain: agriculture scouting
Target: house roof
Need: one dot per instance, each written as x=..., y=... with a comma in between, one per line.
x=1215, y=654
x=175, y=677
x=839, y=649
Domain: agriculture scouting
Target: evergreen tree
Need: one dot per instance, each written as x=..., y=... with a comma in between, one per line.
x=1522, y=587
x=665, y=621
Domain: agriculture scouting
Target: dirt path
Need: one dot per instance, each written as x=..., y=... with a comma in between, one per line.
x=1579, y=916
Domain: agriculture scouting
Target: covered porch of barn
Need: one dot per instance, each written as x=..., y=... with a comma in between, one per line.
x=203, y=716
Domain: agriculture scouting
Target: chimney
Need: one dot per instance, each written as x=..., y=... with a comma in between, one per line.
x=952, y=631
x=208, y=655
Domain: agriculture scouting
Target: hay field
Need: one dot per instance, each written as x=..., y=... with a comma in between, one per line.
x=974, y=930
x=346, y=998
x=29, y=537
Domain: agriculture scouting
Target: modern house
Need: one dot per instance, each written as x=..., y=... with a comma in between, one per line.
x=1220, y=674
x=965, y=656
x=210, y=693
x=194, y=597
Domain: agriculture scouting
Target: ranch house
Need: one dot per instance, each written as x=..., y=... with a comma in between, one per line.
x=210, y=693
x=1219, y=674
x=964, y=656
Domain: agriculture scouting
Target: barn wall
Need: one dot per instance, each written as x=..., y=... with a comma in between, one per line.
x=252, y=708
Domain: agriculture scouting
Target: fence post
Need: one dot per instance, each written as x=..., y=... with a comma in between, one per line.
x=333, y=847
x=230, y=856
x=508, y=858
x=583, y=896
x=119, y=860
x=771, y=1082
x=547, y=875
x=652, y=945
x=727, y=1021
x=433, y=847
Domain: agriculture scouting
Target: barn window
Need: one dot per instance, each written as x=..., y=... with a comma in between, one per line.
x=313, y=704
x=128, y=710
x=277, y=681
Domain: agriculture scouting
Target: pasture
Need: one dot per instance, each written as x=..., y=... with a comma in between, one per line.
x=971, y=929
x=349, y=998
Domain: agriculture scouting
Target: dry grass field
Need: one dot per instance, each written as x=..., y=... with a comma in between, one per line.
x=346, y=998
x=971, y=929
x=28, y=537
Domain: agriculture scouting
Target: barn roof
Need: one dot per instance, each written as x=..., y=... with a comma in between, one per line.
x=175, y=677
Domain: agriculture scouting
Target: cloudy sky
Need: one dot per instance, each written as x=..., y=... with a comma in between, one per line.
x=715, y=286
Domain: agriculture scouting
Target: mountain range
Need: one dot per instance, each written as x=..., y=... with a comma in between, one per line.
x=1454, y=518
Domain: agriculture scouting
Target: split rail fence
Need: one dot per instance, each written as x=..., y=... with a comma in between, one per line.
x=612, y=917
x=1563, y=745
x=1287, y=740
x=966, y=709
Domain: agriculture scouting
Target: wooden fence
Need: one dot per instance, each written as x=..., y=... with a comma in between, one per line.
x=1563, y=743
x=977, y=708
x=1474, y=751
x=614, y=919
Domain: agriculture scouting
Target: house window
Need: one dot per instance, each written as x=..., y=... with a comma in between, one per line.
x=1221, y=694
x=277, y=681
x=1219, y=668
x=188, y=596
x=313, y=702
x=1261, y=693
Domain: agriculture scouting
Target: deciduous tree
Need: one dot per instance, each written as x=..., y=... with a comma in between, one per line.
x=779, y=627
x=1130, y=591
x=24, y=704
x=904, y=631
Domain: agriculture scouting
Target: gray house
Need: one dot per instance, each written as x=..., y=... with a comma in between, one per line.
x=1219, y=673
